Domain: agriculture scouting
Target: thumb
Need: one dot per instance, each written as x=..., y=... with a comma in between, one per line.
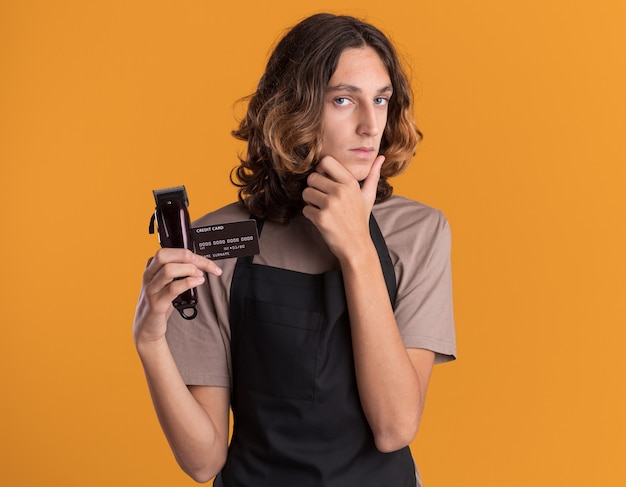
x=370, y=184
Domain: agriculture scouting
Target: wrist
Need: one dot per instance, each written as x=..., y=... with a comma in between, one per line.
x=360, y=256
x=148, y=345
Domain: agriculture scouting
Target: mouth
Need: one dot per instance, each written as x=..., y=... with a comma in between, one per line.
x=363, y=152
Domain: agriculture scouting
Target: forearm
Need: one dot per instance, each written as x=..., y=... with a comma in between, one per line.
x=197, y=442
x=391, y=381
x=389, y=386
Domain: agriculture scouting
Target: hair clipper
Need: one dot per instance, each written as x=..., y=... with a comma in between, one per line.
x=174, y=230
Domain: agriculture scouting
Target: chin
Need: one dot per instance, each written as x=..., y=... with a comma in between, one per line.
x=360, y=173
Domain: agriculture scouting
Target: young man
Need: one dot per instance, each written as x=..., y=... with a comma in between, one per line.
x=323, y=344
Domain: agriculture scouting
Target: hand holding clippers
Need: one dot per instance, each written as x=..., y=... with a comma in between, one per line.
x=174, y=230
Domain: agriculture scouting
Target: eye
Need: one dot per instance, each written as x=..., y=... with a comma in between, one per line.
x=341, y=101
x=381, y=101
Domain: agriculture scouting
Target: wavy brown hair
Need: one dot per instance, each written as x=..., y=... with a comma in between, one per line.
x=283, y=123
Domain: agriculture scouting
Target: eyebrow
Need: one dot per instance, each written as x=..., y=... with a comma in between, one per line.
x=356, y=89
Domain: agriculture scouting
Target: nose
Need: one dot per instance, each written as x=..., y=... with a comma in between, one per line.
x=368, y=121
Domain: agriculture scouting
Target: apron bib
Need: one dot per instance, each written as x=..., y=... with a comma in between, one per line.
x=298, y=420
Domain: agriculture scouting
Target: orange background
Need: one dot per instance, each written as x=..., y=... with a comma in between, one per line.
x=523, y=108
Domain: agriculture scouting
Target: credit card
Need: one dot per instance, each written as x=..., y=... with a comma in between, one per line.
x=226, y=240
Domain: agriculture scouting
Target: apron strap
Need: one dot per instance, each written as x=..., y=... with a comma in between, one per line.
x=385, y=260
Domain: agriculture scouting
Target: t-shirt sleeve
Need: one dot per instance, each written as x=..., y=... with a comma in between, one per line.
x=423, y=308
x=200, y=347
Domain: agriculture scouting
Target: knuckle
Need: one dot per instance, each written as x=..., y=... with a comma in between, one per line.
x=179, y=286
x=160, y=256
x=168, y=271
x=187, y=255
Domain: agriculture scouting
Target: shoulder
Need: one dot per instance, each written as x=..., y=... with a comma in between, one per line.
x=403, y=219
x=229, y=213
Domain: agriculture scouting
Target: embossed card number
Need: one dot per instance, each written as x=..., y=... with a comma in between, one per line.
x=226, y=240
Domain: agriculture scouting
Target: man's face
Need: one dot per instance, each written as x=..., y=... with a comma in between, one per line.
x=355, y=110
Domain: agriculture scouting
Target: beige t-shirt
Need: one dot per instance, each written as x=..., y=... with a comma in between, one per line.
x=418, y=240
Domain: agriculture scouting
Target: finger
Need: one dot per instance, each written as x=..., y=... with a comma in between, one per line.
x=334, y=170
x=321, y=182
x=370, y=184
x=311, y=213
x=314, y=197
x=179, y=286
x=209, y=266
x=169, y=273
x=166, y=256
x=160, y=300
